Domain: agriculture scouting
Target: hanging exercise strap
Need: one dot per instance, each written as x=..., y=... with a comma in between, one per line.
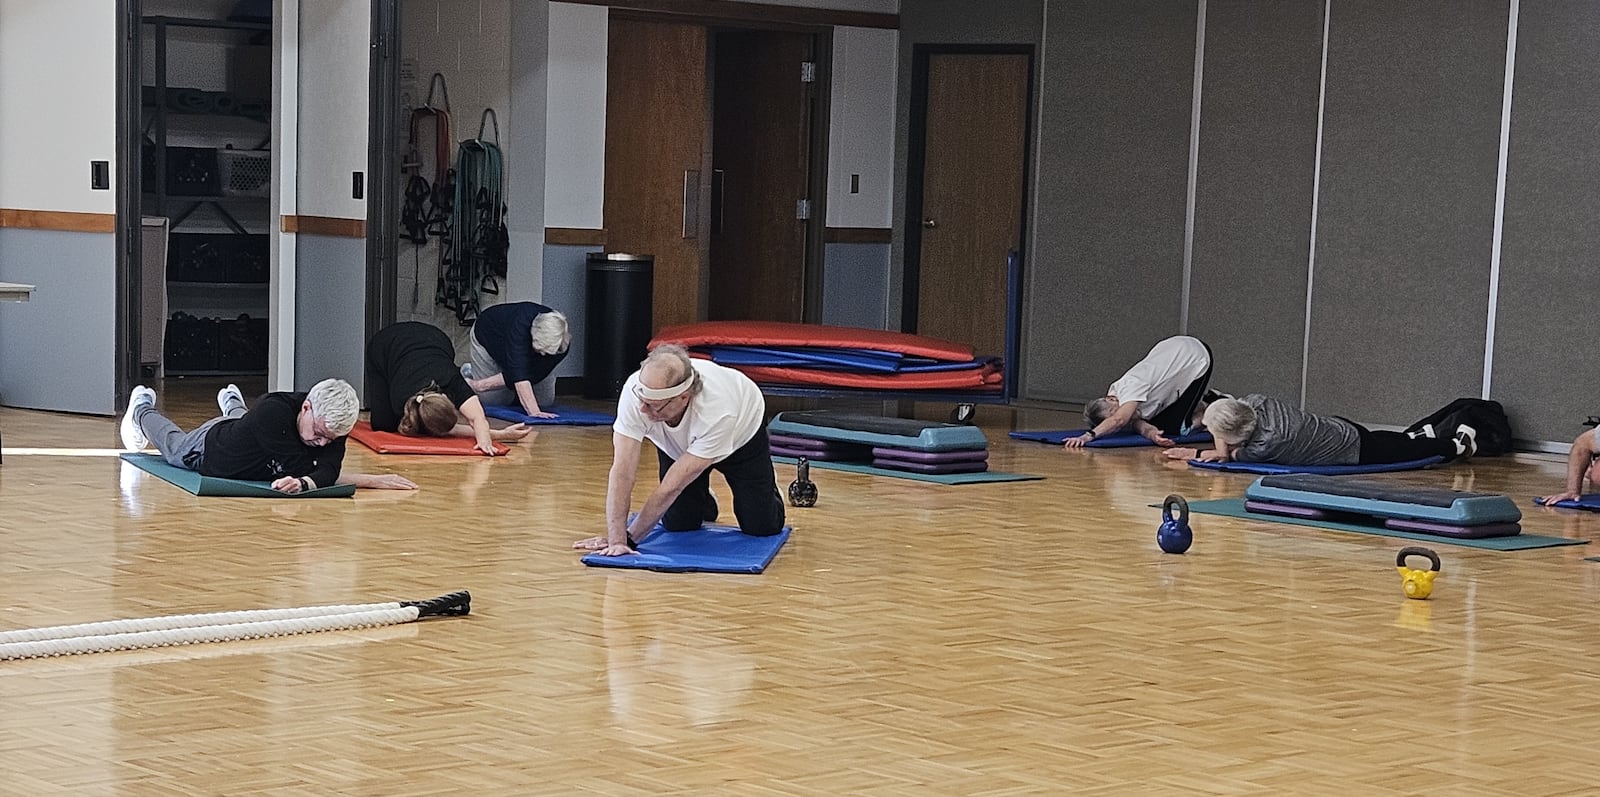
x=478, y=241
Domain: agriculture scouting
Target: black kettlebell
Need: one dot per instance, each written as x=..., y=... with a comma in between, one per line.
x=1174, y=534
x=803, y=491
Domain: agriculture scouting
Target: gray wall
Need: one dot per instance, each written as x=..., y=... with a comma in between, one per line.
x=1106, y=274
x=57, y=351
x=565, y=272
x=1253, y=190
x=329, y=320
x=1544, y=354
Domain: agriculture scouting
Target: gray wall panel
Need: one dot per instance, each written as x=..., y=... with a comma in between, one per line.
x=565, y=275
x=1411, y=133
x=57, y=351
x=855, y=280
x=1106, y=274
x=1253, y=190
x=1544, y=361
x=329, y=321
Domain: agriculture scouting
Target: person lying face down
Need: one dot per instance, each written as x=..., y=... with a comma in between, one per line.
x=1160, y=395
x=414, y=388
x=701, y=417
x=1260, y=428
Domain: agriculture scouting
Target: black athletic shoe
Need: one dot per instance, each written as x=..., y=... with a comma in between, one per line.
x=710, y=512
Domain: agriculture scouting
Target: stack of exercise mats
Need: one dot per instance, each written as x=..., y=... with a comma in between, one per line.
x=811, y=355
x=1384, y=508
x=924, y=450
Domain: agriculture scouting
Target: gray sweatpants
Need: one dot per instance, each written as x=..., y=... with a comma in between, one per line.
x=179, y=448
x=484, y=366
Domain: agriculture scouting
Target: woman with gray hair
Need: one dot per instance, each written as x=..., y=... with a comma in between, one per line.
x=1259, y=428
x=516, y=347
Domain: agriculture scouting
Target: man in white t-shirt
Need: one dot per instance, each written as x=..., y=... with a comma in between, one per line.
x=701, y=417
x=1163, y=394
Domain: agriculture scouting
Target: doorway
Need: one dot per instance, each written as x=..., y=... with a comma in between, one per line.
x=966, y=191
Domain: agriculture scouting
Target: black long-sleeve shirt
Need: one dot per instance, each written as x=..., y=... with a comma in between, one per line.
x=403, y=359
x=265, y=445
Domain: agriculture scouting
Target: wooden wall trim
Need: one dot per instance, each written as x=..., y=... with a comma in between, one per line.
x=858, y=235
x=61, y=220
x=324, y=225
x=751, y=12
x=574, y=236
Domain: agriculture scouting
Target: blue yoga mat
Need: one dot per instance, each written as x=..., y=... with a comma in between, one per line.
x=1234, y=508
x=980, y=477
x=1125, y=440
x=233, y=488
x=1589, y=502
x=711, y=549
x=1272, y=468
x=565, y=416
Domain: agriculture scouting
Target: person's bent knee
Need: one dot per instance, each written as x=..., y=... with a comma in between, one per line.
x=762, y=530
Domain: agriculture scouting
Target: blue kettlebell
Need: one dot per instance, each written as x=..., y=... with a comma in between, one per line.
x=1174, y=535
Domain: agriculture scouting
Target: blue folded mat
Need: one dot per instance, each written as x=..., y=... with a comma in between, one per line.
x=834, y=359
x=1124, y=440
x=1589, y=502
x=565, y=416
x=232, y=488
x=710, y=549
x=1330, y=470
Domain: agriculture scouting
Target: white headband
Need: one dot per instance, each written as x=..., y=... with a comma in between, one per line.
x=659, y=393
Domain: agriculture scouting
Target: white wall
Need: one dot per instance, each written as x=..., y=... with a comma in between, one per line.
x=50, y=51
x=333, y=55
x=576, y=135
x=861, y=127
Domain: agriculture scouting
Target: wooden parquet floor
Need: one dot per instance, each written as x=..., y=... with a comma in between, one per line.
x=912, y=639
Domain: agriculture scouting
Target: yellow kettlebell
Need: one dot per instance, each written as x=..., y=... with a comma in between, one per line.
x=1417, y=584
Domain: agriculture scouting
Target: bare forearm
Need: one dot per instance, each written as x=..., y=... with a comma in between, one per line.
x=1118, y=420
x=1577, y=466
x=619, y=494
x=530, y=404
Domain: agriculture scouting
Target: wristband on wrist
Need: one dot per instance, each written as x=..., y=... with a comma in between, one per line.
x=1090, y=434
x=304, y=486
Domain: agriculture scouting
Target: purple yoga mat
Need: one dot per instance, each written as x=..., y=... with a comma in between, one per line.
x=931, y=467
x=1269, y=508
x=820, y=456
x=1446, y=530
x=792, y=441
x=910, y=455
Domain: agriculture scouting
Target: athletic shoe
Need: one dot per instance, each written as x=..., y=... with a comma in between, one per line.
x=1426, y=431
x=229, y=398
x=710, y=511
x=1466, y=439
x=466, y=370
x=133, y=438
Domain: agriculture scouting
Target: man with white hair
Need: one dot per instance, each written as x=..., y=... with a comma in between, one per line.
x=1260, y=428
x=1161, y=395
x=516, y=347
x=293, y=440
x=701, y=417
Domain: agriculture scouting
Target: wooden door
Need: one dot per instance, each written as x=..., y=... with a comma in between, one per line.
x=972, y=195
x=761, y=147
x=656, y=120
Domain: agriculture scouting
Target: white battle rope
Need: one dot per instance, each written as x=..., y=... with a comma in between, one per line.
x=191, y=629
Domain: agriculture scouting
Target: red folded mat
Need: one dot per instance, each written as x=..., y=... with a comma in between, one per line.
x=783, y=333
x=395, y=443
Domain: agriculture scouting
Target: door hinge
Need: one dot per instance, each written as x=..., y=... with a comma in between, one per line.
x=808, y=71
x=802, y=209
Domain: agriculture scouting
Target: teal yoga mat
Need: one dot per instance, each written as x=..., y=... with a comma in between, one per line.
x=937, y=478
x=1234, y=507
x=232, y=488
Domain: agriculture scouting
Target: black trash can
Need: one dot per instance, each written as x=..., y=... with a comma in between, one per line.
x=618, y=320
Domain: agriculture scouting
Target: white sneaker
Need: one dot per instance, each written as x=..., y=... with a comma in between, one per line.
x=133, y=438
x=230, y=398
x=1466, y=439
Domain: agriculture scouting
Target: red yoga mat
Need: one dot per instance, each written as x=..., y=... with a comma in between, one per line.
x=395, y=443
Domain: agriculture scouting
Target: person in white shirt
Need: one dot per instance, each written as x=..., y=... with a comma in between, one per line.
x=1163, y=394
x=701, y=417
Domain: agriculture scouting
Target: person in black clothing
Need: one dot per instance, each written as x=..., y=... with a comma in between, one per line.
x=515, y=350
x=413, y=388
x=293, y=440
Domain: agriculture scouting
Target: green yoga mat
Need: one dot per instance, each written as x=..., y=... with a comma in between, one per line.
x=937, y=478
x=232, y=488
x=1234, y=507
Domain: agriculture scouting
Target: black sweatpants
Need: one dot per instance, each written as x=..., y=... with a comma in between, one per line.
x=1383, y=448
x=756, y=503
x=1176, y=418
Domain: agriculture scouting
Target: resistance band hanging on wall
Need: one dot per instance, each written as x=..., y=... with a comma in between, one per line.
x=478, y=238
x=426, y=208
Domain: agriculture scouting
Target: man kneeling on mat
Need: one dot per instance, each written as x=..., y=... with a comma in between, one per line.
x=414, y=388
x=1259, y=428
x=294, y=440
x=700, y=416
x=1161, y=395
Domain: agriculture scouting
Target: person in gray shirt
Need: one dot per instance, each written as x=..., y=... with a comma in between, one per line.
x=1260, y=428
